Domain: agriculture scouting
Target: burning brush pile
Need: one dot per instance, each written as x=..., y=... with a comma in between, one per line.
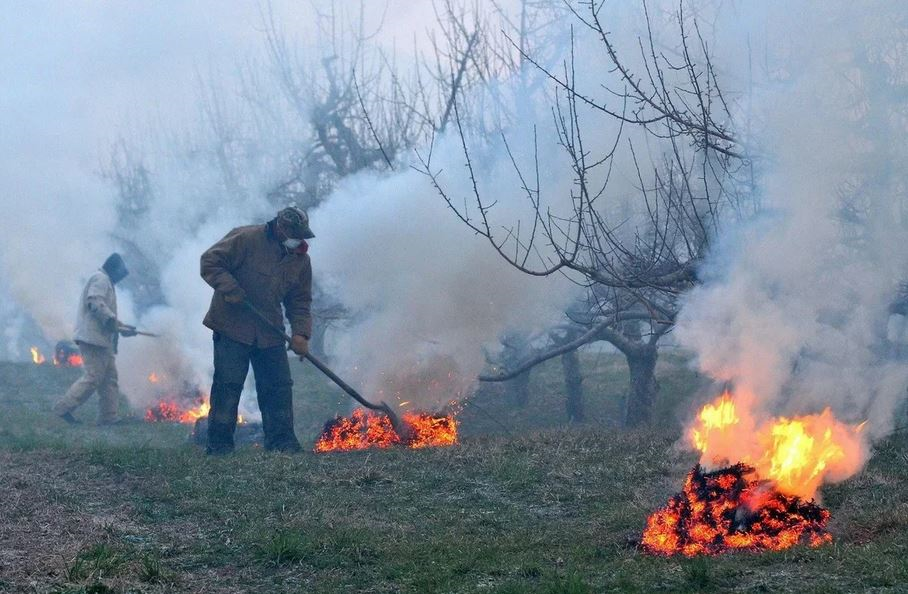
x=756, y=483
x=66, y=354
x=364, y=430
x=434, y=380
x=186, y=405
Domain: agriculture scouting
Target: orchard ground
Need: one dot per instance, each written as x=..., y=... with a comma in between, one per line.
x=525, y=503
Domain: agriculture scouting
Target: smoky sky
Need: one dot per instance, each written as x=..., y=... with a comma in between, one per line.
x=77, y=75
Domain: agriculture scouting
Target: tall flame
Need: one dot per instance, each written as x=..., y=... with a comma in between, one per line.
x=714, y=417
x=797, y=454
x=37, y=357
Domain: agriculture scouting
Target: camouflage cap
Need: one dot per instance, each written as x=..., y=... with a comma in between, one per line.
x=295, y=222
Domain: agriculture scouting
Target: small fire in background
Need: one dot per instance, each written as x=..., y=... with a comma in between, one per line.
x=364, y=430
x=185, y=405
x=169, y=411
x=762, y=495
x=66, y=354
x=37, y=357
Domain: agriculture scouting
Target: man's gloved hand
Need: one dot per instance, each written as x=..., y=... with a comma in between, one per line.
x=237, y=296
x=126, y=330
x=299, y=345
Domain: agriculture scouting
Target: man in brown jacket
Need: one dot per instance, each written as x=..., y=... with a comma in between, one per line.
x=97, y=331
x=268, y=266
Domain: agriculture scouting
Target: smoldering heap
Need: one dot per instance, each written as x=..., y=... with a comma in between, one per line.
x=365, y=430
x=765, y=500
x=729, y=509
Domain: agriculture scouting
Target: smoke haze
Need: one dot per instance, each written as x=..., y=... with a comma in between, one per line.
x=425, y=292
x=794, y=304
x=795, y=309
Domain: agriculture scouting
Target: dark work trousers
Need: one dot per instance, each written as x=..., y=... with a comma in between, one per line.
x=271, y=369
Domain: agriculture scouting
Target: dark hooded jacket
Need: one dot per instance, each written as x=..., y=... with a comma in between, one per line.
x=251, y=263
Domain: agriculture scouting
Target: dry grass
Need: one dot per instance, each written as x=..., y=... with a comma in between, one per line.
x=544, y=509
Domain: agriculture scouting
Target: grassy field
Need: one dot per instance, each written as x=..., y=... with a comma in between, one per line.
x=523, y=504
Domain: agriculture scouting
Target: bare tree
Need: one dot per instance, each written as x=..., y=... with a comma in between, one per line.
x=633, y=259
x=126, y=171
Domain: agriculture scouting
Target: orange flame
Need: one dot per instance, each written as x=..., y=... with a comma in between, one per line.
x=797, y=454
x=37, y=357
x=760, y=502
x=363, y=430
x=71, y=360
x=714, y=417
x=171, y=412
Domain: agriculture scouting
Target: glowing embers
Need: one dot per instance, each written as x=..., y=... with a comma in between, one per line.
x=762, y=495
x=185, y=404
x=66, y=354
x=730, y=509
x=363, y=430
x=172, y=412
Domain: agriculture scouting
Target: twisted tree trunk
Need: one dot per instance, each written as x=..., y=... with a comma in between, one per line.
x=518, y=389
x=638, y=405
x=573, y=385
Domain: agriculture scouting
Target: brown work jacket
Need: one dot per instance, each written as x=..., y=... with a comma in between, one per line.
x=250, y=262
x=97, y=319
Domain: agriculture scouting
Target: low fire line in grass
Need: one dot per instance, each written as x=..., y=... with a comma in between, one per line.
x=365, y=430
x=185, y=404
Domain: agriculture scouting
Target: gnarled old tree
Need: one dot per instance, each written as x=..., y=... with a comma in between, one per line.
x=362, y=109
x=634, y=256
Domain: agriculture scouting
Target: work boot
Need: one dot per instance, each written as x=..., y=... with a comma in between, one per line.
x=69, y=418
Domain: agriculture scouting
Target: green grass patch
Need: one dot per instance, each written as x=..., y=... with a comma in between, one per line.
x=540, y=507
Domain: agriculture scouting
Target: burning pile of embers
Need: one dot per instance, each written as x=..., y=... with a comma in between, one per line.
x=364, y=430
x=730, y=509
x=66, y=354
x=765, y=501
x=186, y=406
x=360, y=431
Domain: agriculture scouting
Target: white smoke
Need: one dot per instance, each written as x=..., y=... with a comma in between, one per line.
x=795, y=309
x=432, y=290
x=62, y=215
x=791, y=309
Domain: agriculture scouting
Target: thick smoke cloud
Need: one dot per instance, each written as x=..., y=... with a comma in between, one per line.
x=433, y=292
x=796, y=304
x=406, y=266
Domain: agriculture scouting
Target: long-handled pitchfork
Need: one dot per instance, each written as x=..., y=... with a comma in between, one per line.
x=401, y=428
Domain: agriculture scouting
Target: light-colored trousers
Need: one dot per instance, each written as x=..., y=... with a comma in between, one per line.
x=99, y=374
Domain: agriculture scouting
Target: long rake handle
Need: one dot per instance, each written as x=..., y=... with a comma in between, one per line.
x=342, y=384
x=321, y=366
